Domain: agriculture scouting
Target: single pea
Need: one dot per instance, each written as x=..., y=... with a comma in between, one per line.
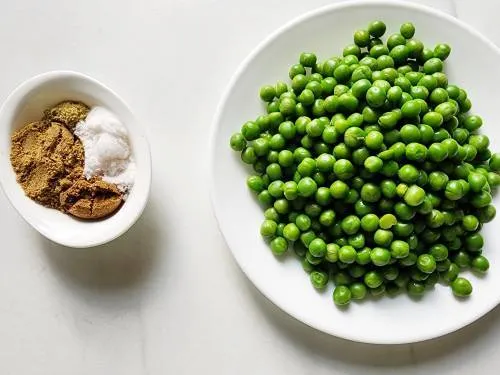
x=388, y=188
x=426, y=263
x=339, y=189
x=380, y=257
x=474, y=242
x=374, y=140
x=383, y=237
x=370, y=193
x=387, y=221
x=395, y=40
x=410, y=109
x=319, y=279
x=407, y=30
x=324, y=162
x=267, y=93
x=461, y=287
x=480, y=264
x=295, y=70
x=415, y=46
x=317, y=248
x=375, y=96
x=347, y=254
x=343, y=169
x=323, y=196
x=362, y=38
x=373, y=279
x=399, y=249
x=357, y=241
x=308, y=59
x=370, y=222
x=376, y=29
x=237, y=142
x=307, y=187
x=332, y=252
x=410, y=133
x=416, y=151
x=268, y=228
x=279, y=246
x=414, y=196
x=373, y=164
x=408, y=173
x=442, y=51
x=291, y=232
x=415, y=288
x=350, y=224
x=342, y=295
x=433, y=65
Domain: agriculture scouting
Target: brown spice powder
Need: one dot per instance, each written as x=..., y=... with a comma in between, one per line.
x=48, y=161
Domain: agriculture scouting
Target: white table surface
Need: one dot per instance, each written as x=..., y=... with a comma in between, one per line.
x=167, y=297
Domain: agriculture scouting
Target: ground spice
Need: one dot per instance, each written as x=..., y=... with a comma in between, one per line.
x=48, y=161
x=68, y=113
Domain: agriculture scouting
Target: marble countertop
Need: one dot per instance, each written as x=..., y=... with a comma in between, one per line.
x=167, y=297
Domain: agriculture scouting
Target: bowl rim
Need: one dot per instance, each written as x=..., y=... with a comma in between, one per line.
x=214, y=199
x=25, y=88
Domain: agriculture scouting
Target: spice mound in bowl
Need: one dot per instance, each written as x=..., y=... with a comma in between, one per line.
x=74, y=159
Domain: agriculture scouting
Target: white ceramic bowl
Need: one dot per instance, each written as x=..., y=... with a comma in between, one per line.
x=474, y=64
x=26, y=104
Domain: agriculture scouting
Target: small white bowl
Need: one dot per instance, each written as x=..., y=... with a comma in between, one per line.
x=26, y=104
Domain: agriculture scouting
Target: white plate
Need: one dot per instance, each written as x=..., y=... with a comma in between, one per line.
x=474, y=64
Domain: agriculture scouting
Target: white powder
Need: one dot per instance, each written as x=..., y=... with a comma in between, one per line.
x=107, y=149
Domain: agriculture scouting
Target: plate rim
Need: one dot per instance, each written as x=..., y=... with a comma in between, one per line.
x=212, y=156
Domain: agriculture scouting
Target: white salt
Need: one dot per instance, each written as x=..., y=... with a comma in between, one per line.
x=107, y=149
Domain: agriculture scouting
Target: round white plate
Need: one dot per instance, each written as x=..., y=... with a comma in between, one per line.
x=474, y=64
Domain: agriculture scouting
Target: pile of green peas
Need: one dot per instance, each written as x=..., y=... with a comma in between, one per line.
x=371, y=168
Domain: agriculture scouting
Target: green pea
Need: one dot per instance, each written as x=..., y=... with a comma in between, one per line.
x=350, y=224
x=416, y=152
x=279, y=246
x=447, y=110
x=399, y=249
x=347, y=254
x=373, y=164
x=308, y=59
x=373, y=279
x=408, y=173
x=461, y=287
x=442, y=51
x=433, y=65
x=380, y=256
x=415, y=47
x=414, y=196
x=343, y=169
x=375, y=96
x=319, y=279
x=370, y=193
x=237, y=142
x=341, y=295
x=376, y=29
x=407, y=30
x=480, y=264
x=307, y=187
